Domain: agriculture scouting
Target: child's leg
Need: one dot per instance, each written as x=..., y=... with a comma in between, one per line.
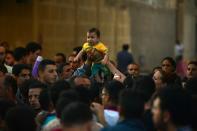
x=99, y=70
x=95, y=69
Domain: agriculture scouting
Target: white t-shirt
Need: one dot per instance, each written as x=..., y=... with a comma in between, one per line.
x=111, y=117
x=178, y=50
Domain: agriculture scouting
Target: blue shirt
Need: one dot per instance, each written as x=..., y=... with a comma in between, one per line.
x=124, y=58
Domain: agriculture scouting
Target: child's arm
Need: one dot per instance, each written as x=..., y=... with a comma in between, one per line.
x=79, y=55
x=105, y=59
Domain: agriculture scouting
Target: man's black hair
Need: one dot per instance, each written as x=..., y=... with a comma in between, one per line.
x=146, y=86
x=10, y=52
x=10, y=82
x=131, y=104
x=60, y=68
x=62, y=55
x=113, y=89
x=44, y=63
x=45, y=99
x=57, y=88
x=33, y=47
x=16, y=70
x=84, y=94
x=65, y=98
x=77, y=49
x=5, y=106
x=37, y=84
x=76, y=114
x=125, y=47
x=19, y=53
x=20, y=118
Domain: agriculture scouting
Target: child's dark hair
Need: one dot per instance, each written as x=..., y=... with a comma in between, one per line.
x=92, y=30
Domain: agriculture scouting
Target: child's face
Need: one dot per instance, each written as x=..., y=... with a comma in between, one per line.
x=92, y=38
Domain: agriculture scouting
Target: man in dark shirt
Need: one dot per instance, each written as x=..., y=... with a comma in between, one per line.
x=124, y=58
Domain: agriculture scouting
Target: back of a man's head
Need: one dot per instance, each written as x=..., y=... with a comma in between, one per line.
x=113, y=89
x=33, y=47
x=20, y=119
x=5, y=106
x=57, y=88
x=76, y=115
x=19, y=53
x=9, y=85
x=131, y=104
x=146, y=86
x=125, y=47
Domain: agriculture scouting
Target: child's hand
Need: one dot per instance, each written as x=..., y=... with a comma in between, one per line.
x=104, y=62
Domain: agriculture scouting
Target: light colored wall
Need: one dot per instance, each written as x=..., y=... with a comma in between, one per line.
x=153, y=33
x=189, y=30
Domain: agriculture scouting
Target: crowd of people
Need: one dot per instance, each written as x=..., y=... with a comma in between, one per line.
x=86, y=91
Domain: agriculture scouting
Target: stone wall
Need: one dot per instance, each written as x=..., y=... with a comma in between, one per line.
x=16, y=22
x=62, y=24
x=153, y=34
x=190, y=30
